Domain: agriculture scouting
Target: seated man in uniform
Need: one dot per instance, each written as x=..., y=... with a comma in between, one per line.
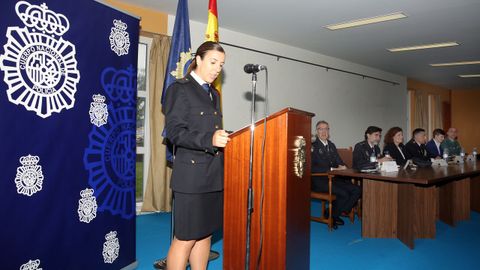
x=433, y=146
x=416, y=146
x=367, y=154
x=450, y=145
x=325, y=158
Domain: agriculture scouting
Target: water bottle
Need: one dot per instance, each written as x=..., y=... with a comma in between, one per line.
x=373, y=157
x=462, y=155
x=445, y=154
x=474, y=153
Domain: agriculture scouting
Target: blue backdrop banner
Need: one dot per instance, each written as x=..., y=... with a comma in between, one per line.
x=68, y=78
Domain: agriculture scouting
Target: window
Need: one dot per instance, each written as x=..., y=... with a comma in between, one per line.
x=142, y=133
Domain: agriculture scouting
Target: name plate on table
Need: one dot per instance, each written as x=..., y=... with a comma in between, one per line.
x=389, y=166
x=458, y=159
x=439, y=162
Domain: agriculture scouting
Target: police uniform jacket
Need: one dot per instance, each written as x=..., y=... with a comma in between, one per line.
x=324, y=157
x=417, y=151
x=361, y=155
x=192, y=117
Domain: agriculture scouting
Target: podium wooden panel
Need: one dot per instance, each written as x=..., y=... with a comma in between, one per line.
x=286, y=207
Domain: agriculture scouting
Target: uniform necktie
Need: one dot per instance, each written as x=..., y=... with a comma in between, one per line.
x=208, y=89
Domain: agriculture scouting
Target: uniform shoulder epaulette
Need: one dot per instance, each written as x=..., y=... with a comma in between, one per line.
x=183, y=80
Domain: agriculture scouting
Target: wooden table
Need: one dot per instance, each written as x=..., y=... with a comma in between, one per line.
x=406, y=204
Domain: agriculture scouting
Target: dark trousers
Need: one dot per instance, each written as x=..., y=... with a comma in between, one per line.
x=346, y=192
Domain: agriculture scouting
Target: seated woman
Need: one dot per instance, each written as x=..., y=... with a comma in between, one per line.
x=393, y=146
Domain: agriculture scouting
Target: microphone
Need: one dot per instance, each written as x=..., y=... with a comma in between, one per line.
x=253, y=68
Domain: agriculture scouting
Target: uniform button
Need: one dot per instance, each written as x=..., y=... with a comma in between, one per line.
x=217, y=153
x=193, y=161
x=215, y=113
x=201, y=113
x=216, y=126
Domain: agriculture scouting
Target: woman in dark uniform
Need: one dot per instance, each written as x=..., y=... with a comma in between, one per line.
x=194, y=126
x=394, y=146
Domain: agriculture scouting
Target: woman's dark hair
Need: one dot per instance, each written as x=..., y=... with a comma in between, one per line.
x=202, y=50
x=390, y=134
x=372, y=129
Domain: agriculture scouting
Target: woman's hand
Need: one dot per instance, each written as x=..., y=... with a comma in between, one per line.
x=220, y=138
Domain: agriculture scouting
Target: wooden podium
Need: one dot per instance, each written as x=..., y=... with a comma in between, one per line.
x=286, y=207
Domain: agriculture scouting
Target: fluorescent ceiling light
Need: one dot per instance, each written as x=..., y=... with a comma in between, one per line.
x=425, y=46
x=469, y=76
x=456, y=64
x=377, y=19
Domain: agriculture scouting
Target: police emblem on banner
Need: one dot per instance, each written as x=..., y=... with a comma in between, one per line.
x=110, y=156
x=120, y=85
x=119, y=38
x=98, y=111
x=111, y=247
x=31, y=265
x=39, y=66
x=87, y=206
x=29, y=179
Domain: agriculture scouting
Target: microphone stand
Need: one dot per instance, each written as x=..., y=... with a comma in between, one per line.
x=250, y=177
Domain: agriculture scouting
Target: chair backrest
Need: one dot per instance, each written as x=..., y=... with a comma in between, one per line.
x=347, y=155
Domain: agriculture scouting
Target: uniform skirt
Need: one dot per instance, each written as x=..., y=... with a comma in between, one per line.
x=197, y=215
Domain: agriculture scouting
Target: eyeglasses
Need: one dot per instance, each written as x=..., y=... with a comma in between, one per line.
x=323, y=129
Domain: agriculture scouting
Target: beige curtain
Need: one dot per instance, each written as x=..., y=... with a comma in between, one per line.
x=438, y=115
x=157, y=195
x=420, y=119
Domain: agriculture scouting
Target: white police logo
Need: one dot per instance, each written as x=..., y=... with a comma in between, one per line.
x=87, y=206
x=39, y=66
x=119, y=38
x=29, y=179
x=111, y=247
x=31, y=265
x=98, y=111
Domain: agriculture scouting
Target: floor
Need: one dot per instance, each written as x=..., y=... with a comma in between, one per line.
x=454, y=247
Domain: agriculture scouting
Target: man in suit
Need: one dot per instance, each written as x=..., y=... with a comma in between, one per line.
x=416, y=146
x=451, y=144
x=367, y=154
x=433, y=146
x=325, y=158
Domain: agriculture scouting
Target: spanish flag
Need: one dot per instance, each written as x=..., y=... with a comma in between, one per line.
x=212, y=34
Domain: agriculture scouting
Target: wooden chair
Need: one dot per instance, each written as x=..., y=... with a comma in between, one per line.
x=324, y=198
x=346, y=154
